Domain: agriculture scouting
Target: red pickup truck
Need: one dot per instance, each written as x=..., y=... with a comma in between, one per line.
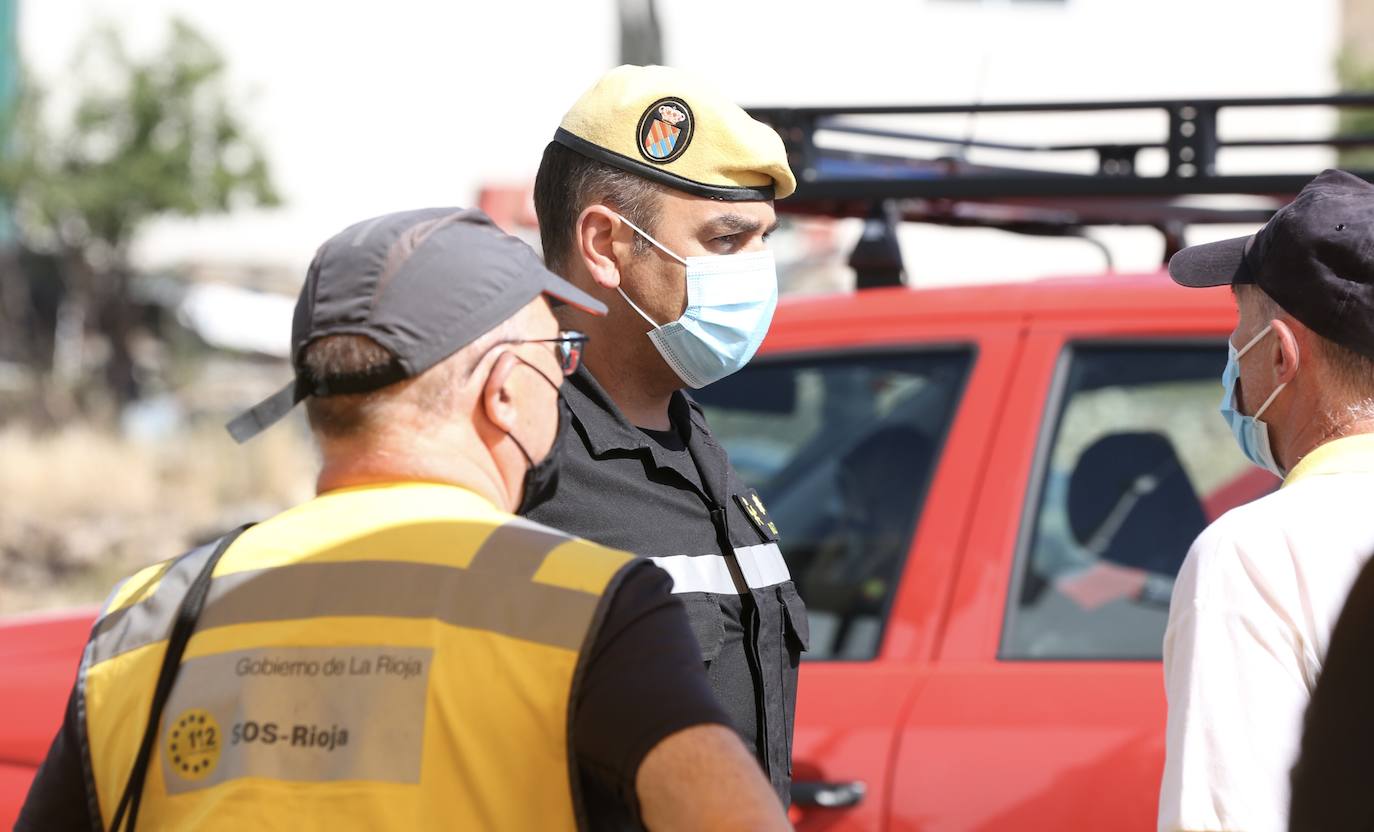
x=984, y=495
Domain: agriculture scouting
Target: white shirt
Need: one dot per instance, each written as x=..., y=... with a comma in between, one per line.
x=1251, y=616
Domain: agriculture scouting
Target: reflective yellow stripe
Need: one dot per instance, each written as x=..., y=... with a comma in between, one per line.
x=143, y=614
x=497, y=591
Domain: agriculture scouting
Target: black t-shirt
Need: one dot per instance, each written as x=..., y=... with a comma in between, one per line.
x=640, y=681
x=669, y=440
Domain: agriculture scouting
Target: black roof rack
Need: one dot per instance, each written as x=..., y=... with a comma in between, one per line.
x=946, y=188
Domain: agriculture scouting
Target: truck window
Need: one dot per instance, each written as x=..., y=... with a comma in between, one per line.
x=841, y=449
x=1137, y=463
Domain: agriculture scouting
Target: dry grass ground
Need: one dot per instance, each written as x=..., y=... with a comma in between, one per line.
x=81, y=508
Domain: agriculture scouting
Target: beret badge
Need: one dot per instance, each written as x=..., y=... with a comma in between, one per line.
x=665, y=129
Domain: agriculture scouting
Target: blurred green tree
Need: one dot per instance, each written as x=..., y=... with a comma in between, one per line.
x=130, y=140
x=1355, y=73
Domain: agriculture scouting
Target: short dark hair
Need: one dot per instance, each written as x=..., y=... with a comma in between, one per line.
x=568, y=182
x=346, y=416
x=342, y=355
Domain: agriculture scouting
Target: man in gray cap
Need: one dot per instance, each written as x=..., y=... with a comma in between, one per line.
x=1260, y=590
x=403, y=652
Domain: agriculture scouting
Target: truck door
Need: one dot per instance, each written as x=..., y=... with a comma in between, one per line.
x=1045, y=709
x=857, y=453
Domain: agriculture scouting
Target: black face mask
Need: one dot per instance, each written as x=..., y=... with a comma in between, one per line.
x=541, y=478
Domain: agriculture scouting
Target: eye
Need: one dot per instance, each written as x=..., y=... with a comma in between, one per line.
x=728, y=239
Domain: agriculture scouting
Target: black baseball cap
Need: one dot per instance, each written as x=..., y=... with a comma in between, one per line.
x=1315, y=258
x=422, y=284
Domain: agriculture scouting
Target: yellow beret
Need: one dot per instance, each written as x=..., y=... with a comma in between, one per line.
x=673, y=128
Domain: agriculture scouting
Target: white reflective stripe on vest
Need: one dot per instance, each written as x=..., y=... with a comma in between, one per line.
x=761, y=565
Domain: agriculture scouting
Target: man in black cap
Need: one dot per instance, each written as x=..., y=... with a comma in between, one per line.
x=403, y=652
x=1261, y=589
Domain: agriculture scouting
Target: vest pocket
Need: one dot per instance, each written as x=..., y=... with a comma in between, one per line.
x=797, y=640
x=704, y=615
x=798, y=628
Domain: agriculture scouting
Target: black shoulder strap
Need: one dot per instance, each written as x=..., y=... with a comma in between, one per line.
x=182, y=627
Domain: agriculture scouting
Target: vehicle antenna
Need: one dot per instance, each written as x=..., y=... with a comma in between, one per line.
x=979, y=90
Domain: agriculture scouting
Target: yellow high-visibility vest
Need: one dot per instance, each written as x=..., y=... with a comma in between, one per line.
x=396, y=656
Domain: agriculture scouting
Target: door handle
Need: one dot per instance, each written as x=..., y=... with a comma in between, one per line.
x=828, y=795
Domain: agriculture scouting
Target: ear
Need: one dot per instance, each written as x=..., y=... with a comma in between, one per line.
x=498, y=396
x=602, y=243
x=1287, y=356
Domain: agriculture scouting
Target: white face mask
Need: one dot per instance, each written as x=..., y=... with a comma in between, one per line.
x=730, y=303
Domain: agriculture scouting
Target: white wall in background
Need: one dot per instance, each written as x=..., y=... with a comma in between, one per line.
x=369, y=107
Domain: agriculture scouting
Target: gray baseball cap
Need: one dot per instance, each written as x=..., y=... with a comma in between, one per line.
x=422, y=284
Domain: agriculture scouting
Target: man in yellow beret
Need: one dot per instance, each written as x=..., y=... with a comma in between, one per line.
x=656, y=197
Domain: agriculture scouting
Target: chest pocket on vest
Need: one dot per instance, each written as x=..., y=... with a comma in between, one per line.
x=704, y=615
x=798, y=626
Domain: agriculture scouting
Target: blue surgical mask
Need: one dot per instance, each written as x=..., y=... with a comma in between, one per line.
x=730, y=303
x=1251, y=434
